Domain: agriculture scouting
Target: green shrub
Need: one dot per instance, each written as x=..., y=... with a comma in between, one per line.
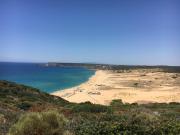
x=93, y=108
x=116, y=103
x=136, y=122
x=45, y=123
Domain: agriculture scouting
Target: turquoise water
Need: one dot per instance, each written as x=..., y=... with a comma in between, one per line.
x=48, y=79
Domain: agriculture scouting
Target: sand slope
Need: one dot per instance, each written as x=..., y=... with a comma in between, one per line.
x=141, y=86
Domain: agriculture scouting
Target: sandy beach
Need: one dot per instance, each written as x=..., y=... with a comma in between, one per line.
x=140, y=86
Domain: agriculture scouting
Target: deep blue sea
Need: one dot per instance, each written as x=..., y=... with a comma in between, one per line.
x=48, y=79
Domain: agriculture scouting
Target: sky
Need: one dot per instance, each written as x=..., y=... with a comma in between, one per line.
x=126, y=32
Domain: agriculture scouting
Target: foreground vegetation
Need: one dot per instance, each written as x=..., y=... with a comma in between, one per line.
x=45, y=123
x=27, y=111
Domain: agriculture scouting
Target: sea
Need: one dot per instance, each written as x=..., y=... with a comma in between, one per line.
x=47, y=79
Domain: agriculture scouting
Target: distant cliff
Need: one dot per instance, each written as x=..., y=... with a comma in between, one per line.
x=85, y=65
x=173, y=69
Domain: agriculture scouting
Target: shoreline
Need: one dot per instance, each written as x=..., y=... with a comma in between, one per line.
x=104, y=86
x=65, y=93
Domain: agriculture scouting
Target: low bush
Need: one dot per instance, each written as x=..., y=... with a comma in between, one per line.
x=92, y=108
x=132, y=123
x=45, y=123
x=116, y=103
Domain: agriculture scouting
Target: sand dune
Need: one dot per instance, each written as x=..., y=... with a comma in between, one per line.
x=141, y=86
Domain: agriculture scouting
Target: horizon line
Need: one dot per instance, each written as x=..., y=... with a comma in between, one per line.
x=151, y=65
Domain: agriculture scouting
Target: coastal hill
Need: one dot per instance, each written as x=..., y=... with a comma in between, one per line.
x=15, y=99
x=28, y=111
x=20, y=97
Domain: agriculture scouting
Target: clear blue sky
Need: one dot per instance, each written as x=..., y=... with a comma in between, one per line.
x=144, y=32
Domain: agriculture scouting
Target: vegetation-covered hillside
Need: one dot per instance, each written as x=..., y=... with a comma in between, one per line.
x=15, y=99
x=27, y=111
x=23, y=97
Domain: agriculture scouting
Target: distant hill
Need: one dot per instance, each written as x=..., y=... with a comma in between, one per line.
x=164, y=68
